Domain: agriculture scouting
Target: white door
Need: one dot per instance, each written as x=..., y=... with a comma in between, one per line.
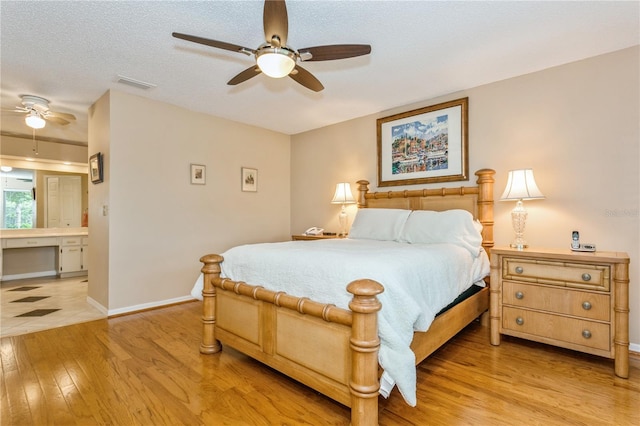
x=64, y=201
x=70, y=201
x=53, y=202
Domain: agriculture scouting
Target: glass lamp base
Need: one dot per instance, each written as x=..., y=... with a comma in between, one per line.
x=518, y=220
x=343, y=219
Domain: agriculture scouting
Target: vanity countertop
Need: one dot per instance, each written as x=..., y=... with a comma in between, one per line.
x=43, y=232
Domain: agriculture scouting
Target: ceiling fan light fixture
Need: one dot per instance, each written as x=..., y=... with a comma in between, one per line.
x=275, y=62
x=34, y=120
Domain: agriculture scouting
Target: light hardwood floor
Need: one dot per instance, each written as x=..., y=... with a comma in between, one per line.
x=145, y=369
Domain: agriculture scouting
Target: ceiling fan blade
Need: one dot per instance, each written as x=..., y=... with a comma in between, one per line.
x=63, y=115
x=244, y=75
x=335, y=51
x=56, y=120
x=16, y=110
x=214, y=43
x=276, y=22
x=305, y=78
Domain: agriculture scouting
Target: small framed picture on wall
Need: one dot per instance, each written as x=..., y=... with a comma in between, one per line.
x=249, y=179
x=198, y=174
x=96, y=171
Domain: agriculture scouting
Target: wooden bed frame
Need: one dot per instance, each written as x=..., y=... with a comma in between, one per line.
x=334, y=350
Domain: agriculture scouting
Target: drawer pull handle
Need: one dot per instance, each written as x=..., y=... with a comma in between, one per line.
x=586, y=306
x=519, y=269
x=586, y=277
x=520, y=321
x=519, y=295
x=586, y=334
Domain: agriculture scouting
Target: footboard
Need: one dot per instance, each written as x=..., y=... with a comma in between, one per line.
x=332, y=350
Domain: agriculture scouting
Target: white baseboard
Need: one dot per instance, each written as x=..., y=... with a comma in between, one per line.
x=29, y=275
x=634, y=347
x=97, y=305
x=143, y=306
x=74, y=274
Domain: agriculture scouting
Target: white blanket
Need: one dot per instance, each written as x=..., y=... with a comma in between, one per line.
x=419, y=280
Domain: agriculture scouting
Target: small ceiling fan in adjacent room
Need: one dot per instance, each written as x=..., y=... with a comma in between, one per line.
x=274, y=57
x=37, y=112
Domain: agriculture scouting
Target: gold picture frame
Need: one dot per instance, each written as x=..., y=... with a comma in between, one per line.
x=425, y=145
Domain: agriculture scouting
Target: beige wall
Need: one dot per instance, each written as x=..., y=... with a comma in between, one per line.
x=576, y=125
x=99, y=136
x=24, y=147
x=159, y=224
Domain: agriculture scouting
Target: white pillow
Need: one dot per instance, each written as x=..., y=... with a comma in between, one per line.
x=378, y=224
x=450, y=226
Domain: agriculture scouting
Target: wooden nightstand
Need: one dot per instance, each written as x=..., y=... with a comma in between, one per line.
x=303, y=237
x=575, y=300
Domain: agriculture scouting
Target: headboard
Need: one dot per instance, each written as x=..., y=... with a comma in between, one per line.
x=478, y=200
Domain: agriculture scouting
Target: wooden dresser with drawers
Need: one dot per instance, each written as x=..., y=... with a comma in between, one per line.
x=575, y=300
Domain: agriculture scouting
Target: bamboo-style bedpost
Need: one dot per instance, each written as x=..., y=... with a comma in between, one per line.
x=364, y=385
x=494, y=304
x=621, y=309
x=485, y=206
x=211, y=269
x=363, y=188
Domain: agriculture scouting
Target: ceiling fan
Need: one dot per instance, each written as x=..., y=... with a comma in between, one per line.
x=37, y=112
x=274, y=57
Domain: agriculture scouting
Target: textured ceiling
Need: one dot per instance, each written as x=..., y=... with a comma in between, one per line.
x=72, y=52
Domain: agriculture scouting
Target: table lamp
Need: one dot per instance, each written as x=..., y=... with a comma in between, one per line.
x=343, y=196
x=520, y=186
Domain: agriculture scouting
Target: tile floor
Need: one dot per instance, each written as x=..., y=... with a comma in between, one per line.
x=43, y=303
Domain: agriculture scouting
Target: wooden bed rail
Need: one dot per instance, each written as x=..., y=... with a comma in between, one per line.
x=361, y=318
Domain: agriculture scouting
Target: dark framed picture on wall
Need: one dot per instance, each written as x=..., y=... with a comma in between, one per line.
x=249, y=179
x=426, y=145
x=198, y=174
x=96, y=171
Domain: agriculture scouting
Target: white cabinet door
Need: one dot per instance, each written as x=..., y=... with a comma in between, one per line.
x=70, y=259
x=85, y=257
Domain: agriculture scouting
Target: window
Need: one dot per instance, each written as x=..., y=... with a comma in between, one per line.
x=18, y=209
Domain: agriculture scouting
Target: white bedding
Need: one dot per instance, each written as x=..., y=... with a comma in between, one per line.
x=419, y=280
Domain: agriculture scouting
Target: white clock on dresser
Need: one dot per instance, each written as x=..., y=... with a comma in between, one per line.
x=575, y=300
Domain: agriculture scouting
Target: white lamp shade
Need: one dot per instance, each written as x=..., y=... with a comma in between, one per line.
x=34, y=121
x=343, y=194
x=275, y=62
x=521, y=186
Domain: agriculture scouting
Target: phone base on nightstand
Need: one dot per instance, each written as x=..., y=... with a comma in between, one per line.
x=584, y=247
